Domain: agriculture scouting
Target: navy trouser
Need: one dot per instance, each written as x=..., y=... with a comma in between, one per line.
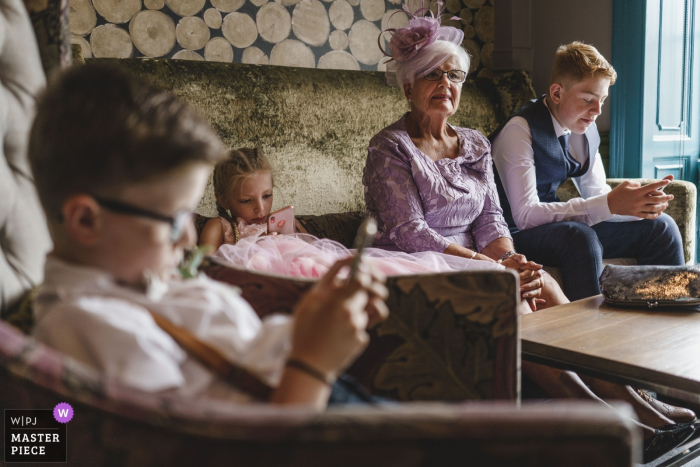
x=348, y=391
x=578, y=249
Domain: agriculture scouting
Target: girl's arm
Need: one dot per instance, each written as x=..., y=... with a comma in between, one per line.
x=212, y=234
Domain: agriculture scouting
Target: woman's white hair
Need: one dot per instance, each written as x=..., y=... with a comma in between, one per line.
x=429, y=58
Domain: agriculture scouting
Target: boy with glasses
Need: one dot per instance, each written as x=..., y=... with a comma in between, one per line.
x=119, y=166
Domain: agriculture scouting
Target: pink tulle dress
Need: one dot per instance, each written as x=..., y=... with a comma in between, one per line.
x=303, y=255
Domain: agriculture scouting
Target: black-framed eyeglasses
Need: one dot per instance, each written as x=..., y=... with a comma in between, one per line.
x=456, y=76
x=178, y=222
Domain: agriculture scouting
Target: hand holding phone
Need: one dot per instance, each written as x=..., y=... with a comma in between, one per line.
x=364, y=239
x=662, y=188
x=281, y=221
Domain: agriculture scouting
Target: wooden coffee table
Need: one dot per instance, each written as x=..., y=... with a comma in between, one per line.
x=655, y=349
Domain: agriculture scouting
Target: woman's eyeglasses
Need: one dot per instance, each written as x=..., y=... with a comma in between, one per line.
x=178, y=222
x=456, y=76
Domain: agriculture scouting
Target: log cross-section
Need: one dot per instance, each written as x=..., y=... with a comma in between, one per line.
x=310, y=22
x=110, y=41
x=342, y=15
x=185, y=7
x=218, y=50
x=192, y=33
x=213, y=18
x=291, y=52
x=239, y=29
x=82, y=17
x=153, y=33
x=363, y=42
x=117, y=11
x=274, y=22
x=483, y=23
x=254, y=56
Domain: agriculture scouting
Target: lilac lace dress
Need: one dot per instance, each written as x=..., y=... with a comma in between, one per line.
x=422, y=205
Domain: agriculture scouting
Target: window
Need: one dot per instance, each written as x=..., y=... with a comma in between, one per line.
x=655, y=105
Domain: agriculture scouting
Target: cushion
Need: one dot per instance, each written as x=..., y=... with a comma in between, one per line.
x=24, y=238
x=341, y=227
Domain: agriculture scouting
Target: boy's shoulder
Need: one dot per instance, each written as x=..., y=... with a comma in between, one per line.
x=75, y=314
x=85, y=314
x=90, y=290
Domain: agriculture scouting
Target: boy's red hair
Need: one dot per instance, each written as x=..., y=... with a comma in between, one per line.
x=578, y=61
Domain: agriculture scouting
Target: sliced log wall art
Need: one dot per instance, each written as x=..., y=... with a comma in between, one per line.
x=339, y=34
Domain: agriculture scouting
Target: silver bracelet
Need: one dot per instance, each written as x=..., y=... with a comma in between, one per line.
x=507, y=255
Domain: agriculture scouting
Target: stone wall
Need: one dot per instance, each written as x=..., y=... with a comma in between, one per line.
x=338, y=34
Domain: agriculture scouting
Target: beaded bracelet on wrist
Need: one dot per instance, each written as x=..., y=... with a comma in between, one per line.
x=507, y=255
x=311, y=371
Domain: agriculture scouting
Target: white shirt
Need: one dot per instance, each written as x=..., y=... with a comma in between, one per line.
x=84, y=313
x=515, y=161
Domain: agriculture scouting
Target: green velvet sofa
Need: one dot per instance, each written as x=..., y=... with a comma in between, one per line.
x=314, y=124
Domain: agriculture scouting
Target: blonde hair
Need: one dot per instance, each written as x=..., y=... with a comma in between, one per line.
x=578, y=61
x=230, y=173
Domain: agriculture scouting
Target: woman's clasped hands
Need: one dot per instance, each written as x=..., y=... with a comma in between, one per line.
x=531, y=276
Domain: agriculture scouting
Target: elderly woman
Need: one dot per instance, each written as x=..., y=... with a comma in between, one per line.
x=430, y=186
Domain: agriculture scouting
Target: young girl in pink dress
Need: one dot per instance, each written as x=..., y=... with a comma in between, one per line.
x=243, y=186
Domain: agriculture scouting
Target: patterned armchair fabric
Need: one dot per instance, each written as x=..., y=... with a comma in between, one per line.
x=120, y=427
x=449, y=337
x=24, y=238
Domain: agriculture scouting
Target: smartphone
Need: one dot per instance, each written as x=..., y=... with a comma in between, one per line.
x=364, y=239
x=281, y=221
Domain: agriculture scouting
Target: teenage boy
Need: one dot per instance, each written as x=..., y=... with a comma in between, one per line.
x=554, y=138
x=119, y=166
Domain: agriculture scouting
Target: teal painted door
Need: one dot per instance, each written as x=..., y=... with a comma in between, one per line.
x=671, y=119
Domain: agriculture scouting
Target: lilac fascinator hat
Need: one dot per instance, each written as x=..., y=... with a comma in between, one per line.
x=421, y=47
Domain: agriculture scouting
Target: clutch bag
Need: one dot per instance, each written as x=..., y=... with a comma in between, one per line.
x=651, y=286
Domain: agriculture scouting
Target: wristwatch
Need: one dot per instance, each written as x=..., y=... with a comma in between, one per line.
x=507, y=255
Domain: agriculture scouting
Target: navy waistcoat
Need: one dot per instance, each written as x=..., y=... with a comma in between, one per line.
x=551, y=164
